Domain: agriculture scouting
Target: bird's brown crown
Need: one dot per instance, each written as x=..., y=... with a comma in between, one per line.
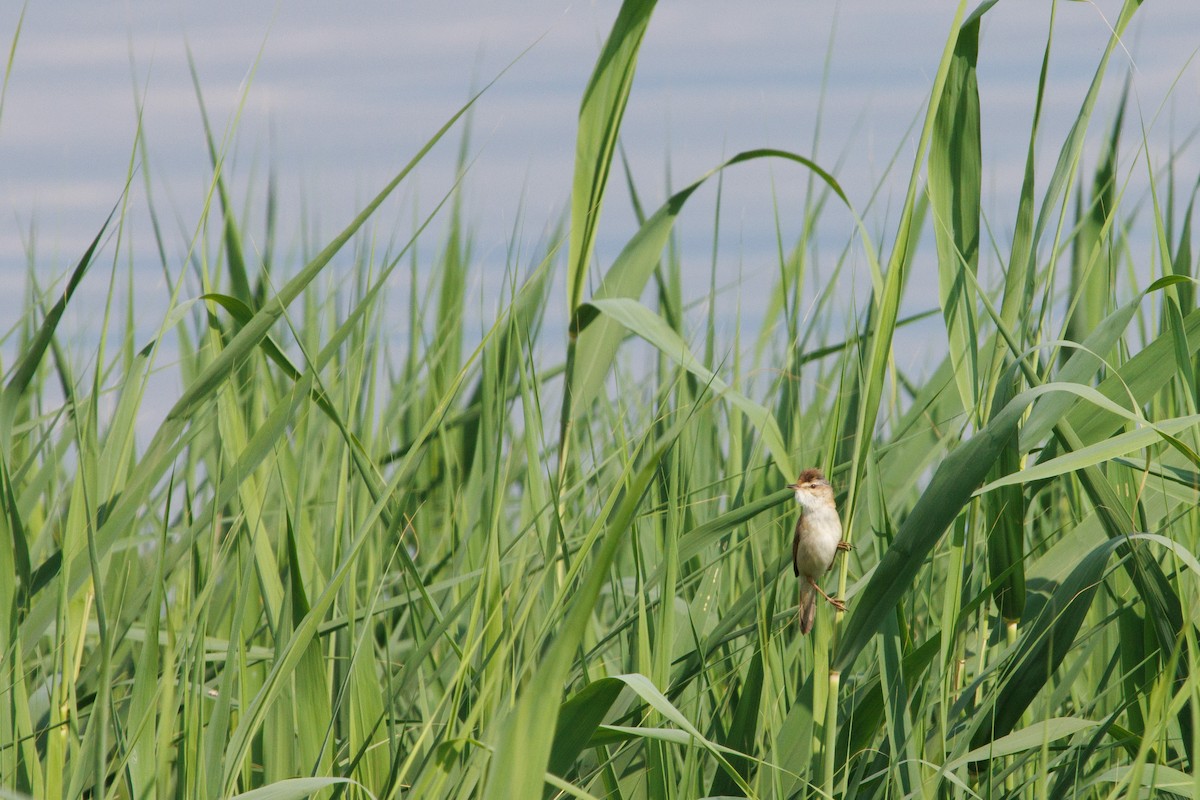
x=809, y=475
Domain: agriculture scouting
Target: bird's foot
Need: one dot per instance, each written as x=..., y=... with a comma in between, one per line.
x=838, y=604
x=844, y=545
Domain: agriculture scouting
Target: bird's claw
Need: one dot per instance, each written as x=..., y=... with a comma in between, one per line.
x=840, y=605
x=845, y=546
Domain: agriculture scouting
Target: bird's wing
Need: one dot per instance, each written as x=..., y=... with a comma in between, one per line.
x=796, y=548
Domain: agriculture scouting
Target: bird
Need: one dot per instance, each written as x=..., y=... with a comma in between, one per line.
x=816, y=543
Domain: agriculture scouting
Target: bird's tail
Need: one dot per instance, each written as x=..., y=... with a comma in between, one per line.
x=807, y=609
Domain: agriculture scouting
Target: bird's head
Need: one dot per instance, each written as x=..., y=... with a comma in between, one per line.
x=812, y=489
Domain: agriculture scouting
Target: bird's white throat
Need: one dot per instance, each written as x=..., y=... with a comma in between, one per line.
x=809, y=501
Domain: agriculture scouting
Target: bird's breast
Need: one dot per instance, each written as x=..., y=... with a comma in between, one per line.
x=820, y=532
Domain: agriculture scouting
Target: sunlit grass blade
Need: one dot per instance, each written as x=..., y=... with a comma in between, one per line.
x=955, y=172
x=600, y=114
x=291, y=789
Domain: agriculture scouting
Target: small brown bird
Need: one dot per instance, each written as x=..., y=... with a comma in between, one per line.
x=817, y=542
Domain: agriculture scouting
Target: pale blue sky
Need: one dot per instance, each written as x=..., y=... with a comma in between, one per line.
x=351, y=90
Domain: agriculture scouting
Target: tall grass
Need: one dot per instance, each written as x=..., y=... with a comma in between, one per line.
x=469, y=569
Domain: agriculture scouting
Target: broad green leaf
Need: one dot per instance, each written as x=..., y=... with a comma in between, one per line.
x=1111, y=448
x=600, y=116
x=955, y=167
x=951, y=488
x=1031, y=737
x=578, y=719
x=291, y=789
x=1043, y=646
x=1152, y=778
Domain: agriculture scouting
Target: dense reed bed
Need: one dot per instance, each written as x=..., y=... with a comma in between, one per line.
x=555, y=564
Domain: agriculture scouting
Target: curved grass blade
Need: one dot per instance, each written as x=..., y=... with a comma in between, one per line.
x=1107, y=450
x=589, y=706
x=1137, y=380
x=598, y=339
x=1151, y=779
x=1028, y=738
x=652, y=328
x=1079, y=368
x=600, y=114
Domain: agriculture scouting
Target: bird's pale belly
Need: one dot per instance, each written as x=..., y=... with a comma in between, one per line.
x=818, y=545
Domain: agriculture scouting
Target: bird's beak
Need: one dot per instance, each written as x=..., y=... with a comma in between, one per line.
x=793, y=486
